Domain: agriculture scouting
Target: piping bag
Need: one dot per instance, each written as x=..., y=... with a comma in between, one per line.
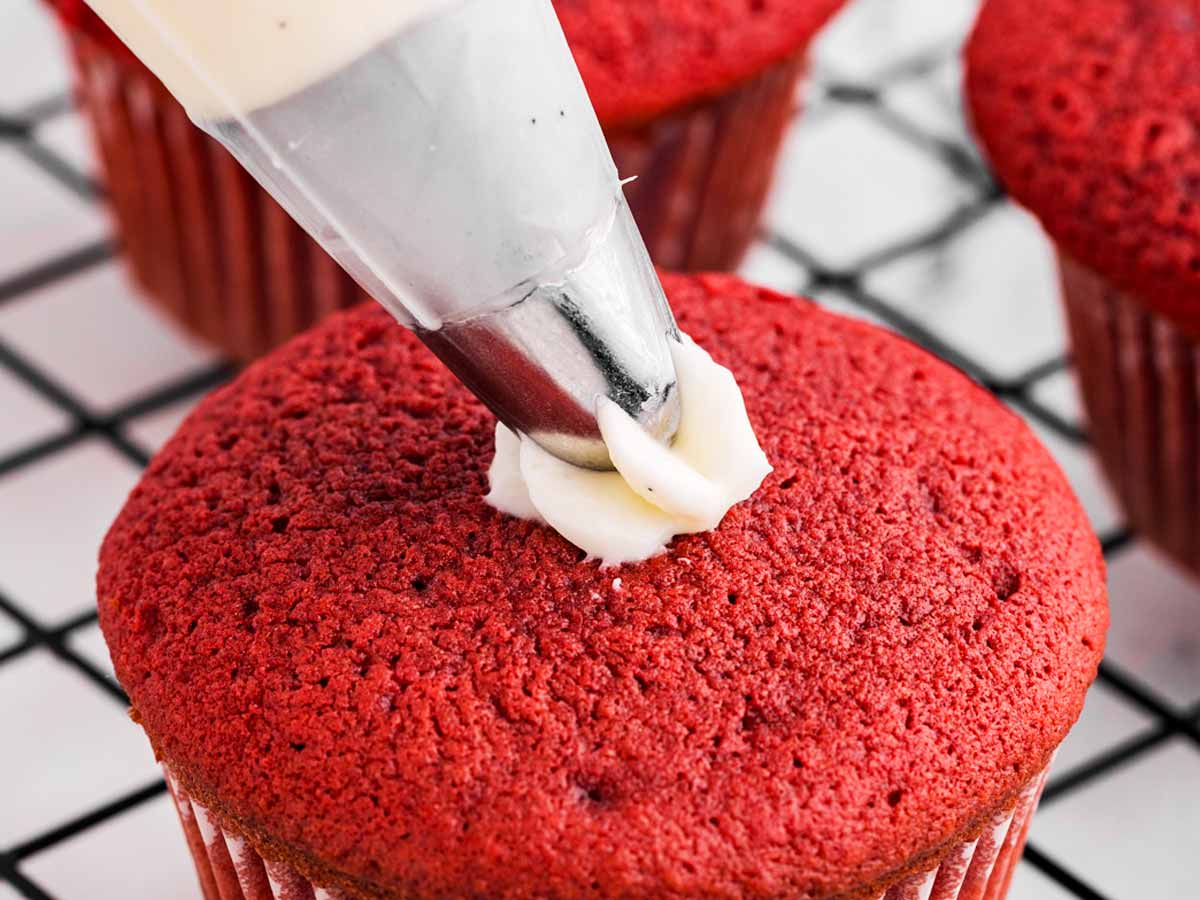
x=446, y=154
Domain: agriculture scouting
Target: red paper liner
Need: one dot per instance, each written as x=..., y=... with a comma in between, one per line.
x=217, y=254
x=1140, y=380
x=229, y=868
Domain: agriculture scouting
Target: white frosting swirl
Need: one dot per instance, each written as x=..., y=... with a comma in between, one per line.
x=656, y=492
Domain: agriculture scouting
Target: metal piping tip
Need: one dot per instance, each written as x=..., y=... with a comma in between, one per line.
x=600, y=329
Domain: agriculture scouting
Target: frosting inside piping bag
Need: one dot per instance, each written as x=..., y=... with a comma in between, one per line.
x=656, y=492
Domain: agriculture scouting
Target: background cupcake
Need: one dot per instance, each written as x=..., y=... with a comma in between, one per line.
x=694, y=99
x=361, y=676
x=1088, y=113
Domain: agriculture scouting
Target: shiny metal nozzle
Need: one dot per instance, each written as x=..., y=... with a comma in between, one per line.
x=599, y=329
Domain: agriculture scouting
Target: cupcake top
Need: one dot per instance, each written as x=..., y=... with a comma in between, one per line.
x=640, y=58
x=1089, y=112
x=337, y=644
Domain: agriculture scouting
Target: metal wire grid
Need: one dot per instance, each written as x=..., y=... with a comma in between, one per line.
x=20, y=132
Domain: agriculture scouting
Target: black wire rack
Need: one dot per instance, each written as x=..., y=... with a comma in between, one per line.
x=1143, y=714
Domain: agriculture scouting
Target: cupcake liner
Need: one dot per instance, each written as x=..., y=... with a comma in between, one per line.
x=219, y=256
x=229, y=868
x=207, y=245
x=1140, y=380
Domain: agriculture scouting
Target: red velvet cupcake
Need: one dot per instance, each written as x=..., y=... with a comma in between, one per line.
x=1090, y=114
x=694, y=98
x=365, y=682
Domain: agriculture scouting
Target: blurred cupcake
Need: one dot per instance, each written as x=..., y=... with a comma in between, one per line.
x=365, y=682
x=1089, y=114
x=694, y=99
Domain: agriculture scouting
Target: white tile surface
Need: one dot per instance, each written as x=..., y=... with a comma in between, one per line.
x=67, y=136
x=1059, y=393
x=10, y=632
x=52, y=518
x=67, y=747
x=99, y=339
x=153, y=430
x=1132, y=833
x=144, y=847
x=1083, y=472
x=848, y=186
x=39, y=218
x=30, y=46
x=932, y=102
x=991, y=292
x=836, y=301
x=1030, y=884
x=1107, y=721
x=24, y=416
x=89, y=643
x=871, y=36
x=1155, y=633
x=769, y=267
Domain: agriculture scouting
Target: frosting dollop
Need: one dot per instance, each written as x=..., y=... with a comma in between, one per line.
x=656, y=492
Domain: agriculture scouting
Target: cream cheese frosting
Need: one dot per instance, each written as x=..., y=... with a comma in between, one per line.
x=221, y=57
x=656, y=492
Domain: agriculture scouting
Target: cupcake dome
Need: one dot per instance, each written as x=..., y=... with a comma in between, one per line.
x=1089, y=112
x=341, y=650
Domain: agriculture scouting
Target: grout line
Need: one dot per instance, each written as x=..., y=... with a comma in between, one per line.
x=32, y=639
x=43, y=448
x=152, y=401
x=1032, y=376
x=956, y=224
x=918, y=65
x=1119, y=680
x=71, y=263
x=848, y=284
x=42, y=383
x=173, y=392
x=25, y=887
x=61, y=171
x=54, y=639
x=919, y=333
x=13, y=129
x=791, y=250
x=19, y=649
x=48, y=107
x=922, y=63
x=953, y=156
x=849, y=93
x=60, y=397
x=1115, y=542
x=1052, y=420
x=82, y=620
x=1105, y=763
x=80, y=824
x=1064, y=878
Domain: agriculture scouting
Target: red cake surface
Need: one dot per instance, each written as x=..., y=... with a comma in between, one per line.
x=640, y=58
x=1089, y=112
x=334, y=641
